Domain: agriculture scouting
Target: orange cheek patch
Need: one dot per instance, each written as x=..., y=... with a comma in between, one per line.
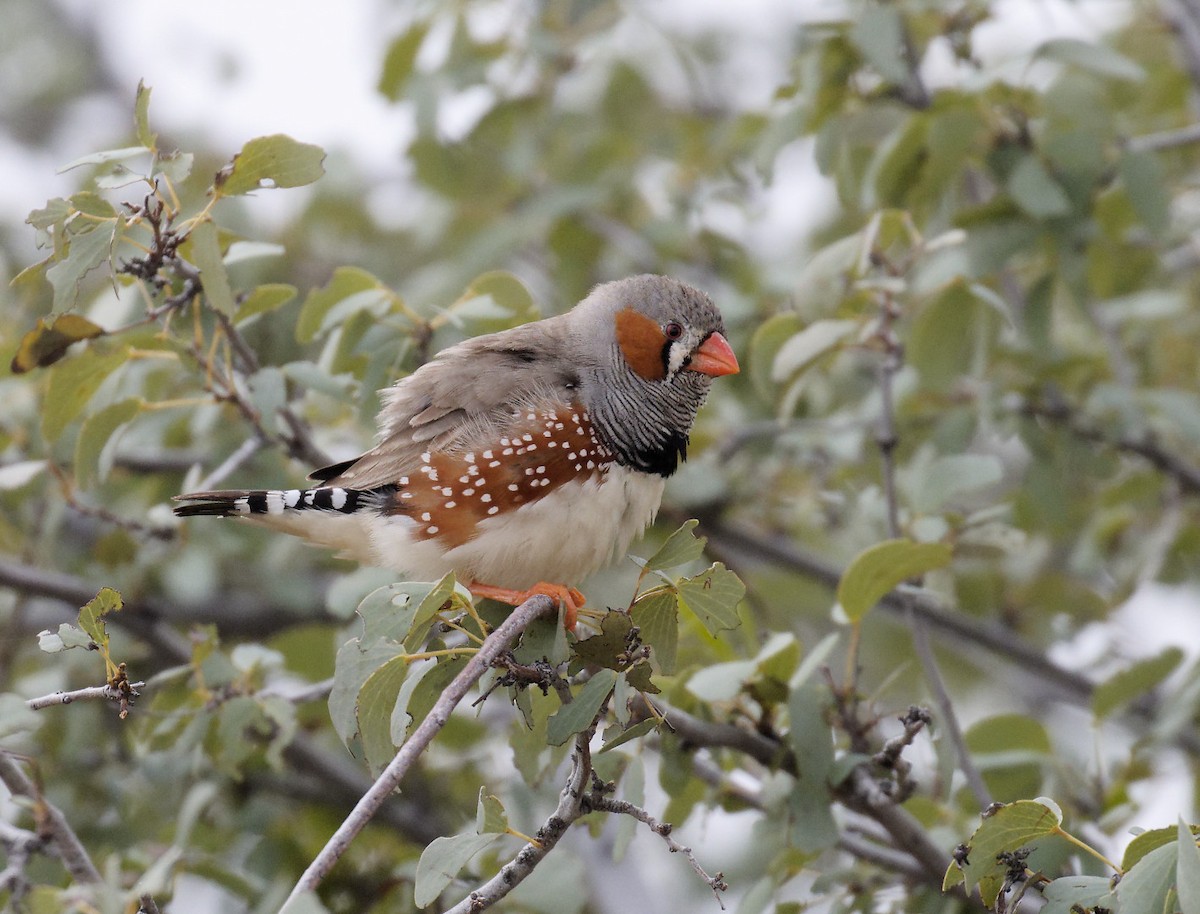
x=450, y=493
x=641, y=341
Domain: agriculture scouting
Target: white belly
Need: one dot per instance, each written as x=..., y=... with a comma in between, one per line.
x=562, y=537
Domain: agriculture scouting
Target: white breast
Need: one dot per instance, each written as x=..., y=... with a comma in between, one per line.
x=561, y=538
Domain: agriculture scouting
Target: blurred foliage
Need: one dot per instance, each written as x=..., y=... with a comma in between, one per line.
x=968, y=413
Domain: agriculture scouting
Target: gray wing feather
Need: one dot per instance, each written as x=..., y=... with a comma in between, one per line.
x=460, y=395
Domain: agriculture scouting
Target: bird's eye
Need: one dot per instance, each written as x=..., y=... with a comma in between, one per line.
x=673, y=330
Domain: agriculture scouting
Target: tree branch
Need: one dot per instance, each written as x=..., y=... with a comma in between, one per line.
x=570, y=808
x=493, y=646
x=50, y=822
x=112, y=693
x=602, y=803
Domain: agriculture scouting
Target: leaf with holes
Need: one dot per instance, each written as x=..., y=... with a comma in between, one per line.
x=713, y=596
x=1009, y=828
x=270, y=161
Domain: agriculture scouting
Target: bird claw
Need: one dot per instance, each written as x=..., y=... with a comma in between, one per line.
x=569, y=597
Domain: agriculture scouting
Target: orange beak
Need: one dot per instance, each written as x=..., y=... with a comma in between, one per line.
x=715, y=357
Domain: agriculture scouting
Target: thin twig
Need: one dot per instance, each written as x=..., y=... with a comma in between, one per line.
x=1165, y=139
x=19, y=846
x=602, y=803
x=50, y=822
x=110, y=692
x=230, y=464
x=495, y=644
x=570, y=808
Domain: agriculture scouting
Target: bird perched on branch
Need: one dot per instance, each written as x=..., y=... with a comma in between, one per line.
x=522, y=460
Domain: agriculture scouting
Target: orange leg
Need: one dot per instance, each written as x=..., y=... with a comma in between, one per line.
x=571, y=598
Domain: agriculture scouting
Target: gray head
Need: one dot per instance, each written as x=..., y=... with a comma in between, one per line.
x=648, y=348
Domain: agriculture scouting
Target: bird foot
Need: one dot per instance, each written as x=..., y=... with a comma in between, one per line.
x=569, y=597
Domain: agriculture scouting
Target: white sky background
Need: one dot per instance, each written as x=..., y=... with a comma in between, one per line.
x=232, y=70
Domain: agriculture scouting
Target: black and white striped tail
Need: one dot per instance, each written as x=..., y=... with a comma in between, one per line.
x=241, y=502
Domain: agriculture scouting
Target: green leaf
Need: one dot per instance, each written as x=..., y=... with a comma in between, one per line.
x=107, y=155
x=85, y=252
x=420, y=692
x=376, y=699
x=809, y=345
x=1007, y=829
x=878, y=32
x=1035, y=191
x=1187, y=871
x=206, y=251
x=1144, y=843
x=442, y=592
x=441, y=861
x=265, y=298
x=713, y=596
x=400, y=59
x=721, y=681
x=355, y=664
x=656, y=614
x=270, y=161
x=16, y=475
x=811, y=740
x=141, y=116
x=93, y=457
x=579, y=714
x=1070, y=894
x=1098, y=59
x=875, y=571
x=305, y=903
x=771, y=336
x=1145, y=889
x=72, y=384
x=67, y=637
x=16, y=716
x=638, y=730
x=46, y=343
x=494, y=301
x=490, y=817
x=681, y=547
x=346, y=283
x=609, y=647
x=1134, y=681
x=952, y=475
x=1145, y=182
x=91, y=615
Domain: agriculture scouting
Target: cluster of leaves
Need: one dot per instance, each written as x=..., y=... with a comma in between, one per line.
x=975, y=410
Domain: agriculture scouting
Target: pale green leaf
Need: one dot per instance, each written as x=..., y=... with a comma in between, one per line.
x=1098, y=59
x=1035, y=191
x=771, y=336
x=713, y=596
x=579, y=714
x=376, y=699
x=91, y=615
x=1146, y=887
x=1006, y=829
x=97, y=436
x=15, y=475
x=875, y=571
x=399, y=61
x=72, y=384
x=809, y=345
x=141, y=117
x=490, y=817
x=263, y=299
x=441, y=862
x=1134, y=681
x=1071, y=894
x=271, y=161
x=315, y=313
x=951, y=475
x=85, y=252
x=107, y=155
x=879, y=33
x=206, y=251
x=656, y=614
x=681, y=547
x=1187, y=871
x=16, y=716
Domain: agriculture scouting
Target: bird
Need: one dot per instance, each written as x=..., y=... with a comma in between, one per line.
x=521, y=460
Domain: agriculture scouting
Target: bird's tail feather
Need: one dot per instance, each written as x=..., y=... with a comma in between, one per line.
x=242, y=502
